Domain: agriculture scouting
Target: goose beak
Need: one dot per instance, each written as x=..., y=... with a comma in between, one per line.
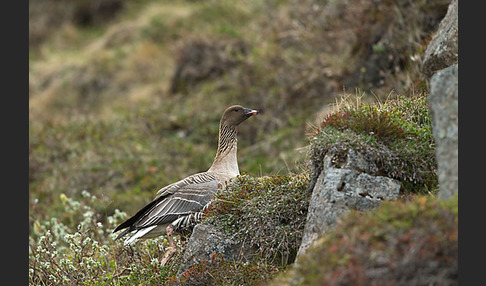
x=249, y=112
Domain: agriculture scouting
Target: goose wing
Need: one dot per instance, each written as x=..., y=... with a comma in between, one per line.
x=182, y=198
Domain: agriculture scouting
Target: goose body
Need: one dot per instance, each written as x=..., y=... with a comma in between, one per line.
x=180, y=205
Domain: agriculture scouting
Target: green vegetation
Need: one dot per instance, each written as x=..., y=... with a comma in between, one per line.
x=125, y=97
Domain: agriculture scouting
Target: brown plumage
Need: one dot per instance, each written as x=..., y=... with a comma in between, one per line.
x=180, y=205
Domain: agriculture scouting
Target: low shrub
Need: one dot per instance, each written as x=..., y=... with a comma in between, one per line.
x=77, y=249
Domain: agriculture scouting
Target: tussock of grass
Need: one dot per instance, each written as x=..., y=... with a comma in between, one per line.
x=396, y=134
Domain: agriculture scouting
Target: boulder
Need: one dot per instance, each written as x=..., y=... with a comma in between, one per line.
x=340, y=189
x=443, y=103
x=206, y=241
x=442, y=50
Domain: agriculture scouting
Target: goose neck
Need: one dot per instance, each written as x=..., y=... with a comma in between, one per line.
x=225, y=161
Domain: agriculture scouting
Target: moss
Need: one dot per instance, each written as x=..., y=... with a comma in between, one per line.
x=400, y=243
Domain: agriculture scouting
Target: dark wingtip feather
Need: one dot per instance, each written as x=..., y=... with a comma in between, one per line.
x=125, y=224
x=129, y=222
x=122, y=234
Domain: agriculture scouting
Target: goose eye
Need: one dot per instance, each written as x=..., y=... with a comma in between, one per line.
x=236, y=109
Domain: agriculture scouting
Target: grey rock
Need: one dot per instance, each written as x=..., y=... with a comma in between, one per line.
x=377, y=187
x=443, y=103
x=326, y=204
x=338, y=190
x=360, y=162
x=442, y=50
x=206, y=241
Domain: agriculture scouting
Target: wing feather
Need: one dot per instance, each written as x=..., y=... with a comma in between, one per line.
x=187, y=200
x=182, y=198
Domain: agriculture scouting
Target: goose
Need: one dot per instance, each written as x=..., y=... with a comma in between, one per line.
x=180, y=205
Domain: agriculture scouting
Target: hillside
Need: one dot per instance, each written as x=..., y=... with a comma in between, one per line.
x=125, y=98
